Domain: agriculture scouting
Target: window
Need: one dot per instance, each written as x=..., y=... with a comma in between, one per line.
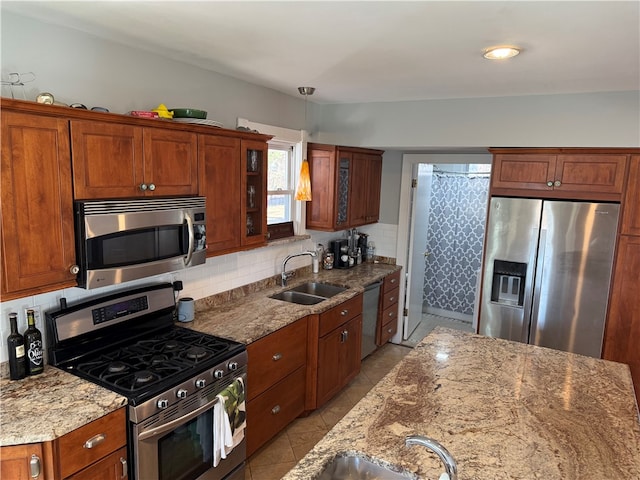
x=280, y=188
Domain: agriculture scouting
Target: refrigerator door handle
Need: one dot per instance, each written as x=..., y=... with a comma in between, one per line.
x=528, y=288
x=537, y=291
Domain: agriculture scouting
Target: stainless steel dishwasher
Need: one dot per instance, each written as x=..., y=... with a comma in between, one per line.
x=370, y=317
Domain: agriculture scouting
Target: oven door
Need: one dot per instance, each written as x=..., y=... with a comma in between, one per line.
x=182, y=449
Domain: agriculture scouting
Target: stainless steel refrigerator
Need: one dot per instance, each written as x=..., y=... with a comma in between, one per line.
x=547, y=272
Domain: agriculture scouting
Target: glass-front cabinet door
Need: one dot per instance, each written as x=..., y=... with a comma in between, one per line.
x=254, y=188
x=342, y=190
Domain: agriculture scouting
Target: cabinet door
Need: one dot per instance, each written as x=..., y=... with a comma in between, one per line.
x=322, y=169
x=107, y=160
x=623, y=324
x=590, y=176
x=254, y=184
x=112, y=467
x=352, y=348
x=170, y=162
x=21, y=462
x=631, y=203
x=37, y=205
x=344, y=174
x=523, y=171
x=374, y=184
x=359, y=190
x=220, y=182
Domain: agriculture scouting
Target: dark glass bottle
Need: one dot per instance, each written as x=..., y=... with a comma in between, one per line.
x=33, y=343
x=15, y=344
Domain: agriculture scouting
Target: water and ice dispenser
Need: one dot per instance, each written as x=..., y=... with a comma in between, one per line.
x=508, y=283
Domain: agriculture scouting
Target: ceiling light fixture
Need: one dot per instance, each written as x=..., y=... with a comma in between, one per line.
x=500, y=53
x=304, y=181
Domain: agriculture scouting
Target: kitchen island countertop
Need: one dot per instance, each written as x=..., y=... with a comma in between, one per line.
x=504, y=410
x=46, y=406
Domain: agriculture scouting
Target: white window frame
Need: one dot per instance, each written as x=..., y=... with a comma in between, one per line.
x=285, y=146
x=298, y=140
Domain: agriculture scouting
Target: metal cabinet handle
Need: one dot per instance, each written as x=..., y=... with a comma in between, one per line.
x=391, y=299
x=74, y=269
x=344, y=336
x=152, y=187
x=393, y=280
x=276, y=357
x=557, y=183
x=391, y=314
x=95, y=440
x=549, y=183
x=275, y=410
x=34, y=465
x=344, y=312
x=390, y=330
x=123, y=462
x=143, y=186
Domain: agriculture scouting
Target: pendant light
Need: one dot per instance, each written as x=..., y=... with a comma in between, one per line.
x=304, y=181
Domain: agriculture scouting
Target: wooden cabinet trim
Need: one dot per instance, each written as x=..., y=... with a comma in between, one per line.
x=631, y=200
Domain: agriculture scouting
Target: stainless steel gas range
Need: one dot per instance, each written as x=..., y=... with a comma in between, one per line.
x=172, y=376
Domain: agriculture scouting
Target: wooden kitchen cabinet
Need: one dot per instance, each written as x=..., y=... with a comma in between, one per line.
x=38, y=250
x=387, y=325
x=631, y=202
x=111, y=467
x=253, y=193
x=112, y=160
x=25, y=462
x=580, y=174
x=221, y=184
x=276, y=382
x=338, y=349
x=345, y=187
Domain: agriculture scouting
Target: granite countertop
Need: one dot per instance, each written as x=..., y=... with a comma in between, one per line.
x=503, y=409
x=255, y=315
x=46, y=406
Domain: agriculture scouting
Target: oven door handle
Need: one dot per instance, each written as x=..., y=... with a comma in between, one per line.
x=167, y=427
x=192, y=238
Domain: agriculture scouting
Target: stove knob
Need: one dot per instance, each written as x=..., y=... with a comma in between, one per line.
x=182, y=393
x=163, y=403
x=233, y=366
x=200, y=383
x=218, y=374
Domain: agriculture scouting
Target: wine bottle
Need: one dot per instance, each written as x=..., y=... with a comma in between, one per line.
x=15, y=344
x=33, y=342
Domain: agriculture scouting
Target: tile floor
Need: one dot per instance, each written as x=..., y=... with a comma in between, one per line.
x=277, y=457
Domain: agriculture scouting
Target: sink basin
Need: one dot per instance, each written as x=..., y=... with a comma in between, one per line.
x=354, y=467
x=309, y=293
x=298, y=297
x=325, y=290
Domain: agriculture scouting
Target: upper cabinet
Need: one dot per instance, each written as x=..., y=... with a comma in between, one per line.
x=559, y=173
x=631, y=208
x=38, y=252
x=119, y=161
x=345, y=187
x=253, y=193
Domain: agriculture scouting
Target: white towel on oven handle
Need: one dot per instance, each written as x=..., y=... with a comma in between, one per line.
x=221, y=431
x=226, y=438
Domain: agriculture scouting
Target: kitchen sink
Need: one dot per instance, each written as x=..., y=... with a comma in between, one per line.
x=355, y=467
x=325, y=290
x=309, y=293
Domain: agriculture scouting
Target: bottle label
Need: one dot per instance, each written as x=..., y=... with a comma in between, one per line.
x=20, y=351
x=35, y=352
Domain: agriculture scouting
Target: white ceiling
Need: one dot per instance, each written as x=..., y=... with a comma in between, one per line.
x=380, y=51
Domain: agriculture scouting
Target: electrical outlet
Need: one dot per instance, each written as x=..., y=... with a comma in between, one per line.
x=36, y=313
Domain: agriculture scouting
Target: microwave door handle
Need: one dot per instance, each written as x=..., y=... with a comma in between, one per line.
x=192, y=238
x=167, y=427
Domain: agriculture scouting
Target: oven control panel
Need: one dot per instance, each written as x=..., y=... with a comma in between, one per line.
x=117, y=310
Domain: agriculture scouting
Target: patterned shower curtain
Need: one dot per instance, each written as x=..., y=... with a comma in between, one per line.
x=456, y=230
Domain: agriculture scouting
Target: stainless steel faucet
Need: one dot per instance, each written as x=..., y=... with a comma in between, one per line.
x=450, y=466
x=285, y=276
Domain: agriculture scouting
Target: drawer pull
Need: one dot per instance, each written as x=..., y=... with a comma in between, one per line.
x=390, y=330
x=277, y=357
x=123, y=462
x=275, y=410
x=95, y=440
x=391, y=314
x=344, y=312
x=391, y=299
x=344, y=336
x=34, y=465
x=393, y=280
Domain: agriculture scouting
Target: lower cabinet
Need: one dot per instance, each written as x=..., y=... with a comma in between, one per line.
x=388, y=308
x=96, y=451
x=276, y=382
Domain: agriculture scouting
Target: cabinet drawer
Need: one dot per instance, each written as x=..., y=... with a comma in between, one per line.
x=332, y=319
x=270, y=412
x=390, y=298
x=112, y=467
x=275, y=356
x=391, y=281
x=107, y=434
x=389, y=315
x=388, y=331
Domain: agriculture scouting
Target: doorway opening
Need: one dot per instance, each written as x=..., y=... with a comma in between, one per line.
x=446, y=234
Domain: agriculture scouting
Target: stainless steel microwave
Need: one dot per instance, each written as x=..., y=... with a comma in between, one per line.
x=122, y=240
